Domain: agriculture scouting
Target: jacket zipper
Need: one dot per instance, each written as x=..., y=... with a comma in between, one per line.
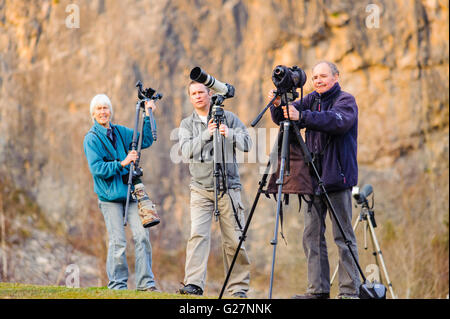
x=341, y=172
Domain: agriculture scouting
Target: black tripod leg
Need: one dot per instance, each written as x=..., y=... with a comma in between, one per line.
x=152, y=125
x=347, y=242
x=262, y=184
x=217, y=170
x=127, y=203
x=134, y=146
x=139, y=140
x=284, y=154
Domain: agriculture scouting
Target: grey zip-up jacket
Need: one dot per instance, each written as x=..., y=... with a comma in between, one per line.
x=197, y=148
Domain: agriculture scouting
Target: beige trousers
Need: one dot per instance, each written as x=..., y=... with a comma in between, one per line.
x=198, y=246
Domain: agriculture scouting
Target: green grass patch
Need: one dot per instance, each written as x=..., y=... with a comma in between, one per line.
x=26, y=291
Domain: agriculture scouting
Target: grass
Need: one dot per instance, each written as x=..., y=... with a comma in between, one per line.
x=26, y=291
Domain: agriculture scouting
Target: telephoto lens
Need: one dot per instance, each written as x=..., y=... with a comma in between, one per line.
x=146, y=208
x=198, y=75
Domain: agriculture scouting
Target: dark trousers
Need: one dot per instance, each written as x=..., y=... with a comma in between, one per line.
x=315, y=246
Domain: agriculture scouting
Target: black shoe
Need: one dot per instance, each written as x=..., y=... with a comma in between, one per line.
x=312, y=296
x=240, y=294
x=191, y=290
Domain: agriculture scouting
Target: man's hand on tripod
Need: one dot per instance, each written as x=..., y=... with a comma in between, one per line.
x=223, y=129
x=150, y=104
x=131, y=157
x=294, y=114
x=277, y=101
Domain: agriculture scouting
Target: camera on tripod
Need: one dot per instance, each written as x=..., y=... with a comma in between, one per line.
x=148, y=93
x=287, y=81
x=361, y=195
x=361, y=199
x=146, y=208
x=367, y=215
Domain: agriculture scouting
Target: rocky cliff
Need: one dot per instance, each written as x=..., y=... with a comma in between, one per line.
x=392, y=55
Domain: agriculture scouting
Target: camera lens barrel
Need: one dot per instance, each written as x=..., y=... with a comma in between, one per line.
x=198, y=75
x=279, y=71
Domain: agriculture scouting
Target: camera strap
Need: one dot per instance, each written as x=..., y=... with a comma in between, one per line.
x=224, y=176
x=308, y=202
x=121, y=138
x=235, y=212
x=106, y=148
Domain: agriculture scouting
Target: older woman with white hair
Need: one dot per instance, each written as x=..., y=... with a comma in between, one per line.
x=107, y=149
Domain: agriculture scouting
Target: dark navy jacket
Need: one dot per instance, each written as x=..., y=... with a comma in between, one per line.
x=331, y=135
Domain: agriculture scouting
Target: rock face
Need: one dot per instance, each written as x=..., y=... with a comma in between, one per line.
x=392, y=55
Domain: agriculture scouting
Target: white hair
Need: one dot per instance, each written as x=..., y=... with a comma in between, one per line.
x=100, y=99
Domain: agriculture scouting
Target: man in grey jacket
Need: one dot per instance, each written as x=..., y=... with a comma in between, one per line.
x=196, y=142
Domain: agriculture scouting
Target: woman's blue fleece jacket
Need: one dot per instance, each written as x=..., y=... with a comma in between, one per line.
x=104, y=163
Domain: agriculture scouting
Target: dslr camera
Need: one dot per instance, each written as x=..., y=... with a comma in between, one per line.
x=287, y=81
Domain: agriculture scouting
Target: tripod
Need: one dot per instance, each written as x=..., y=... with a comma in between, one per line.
x=285, y=128
x=367, y=216
x=367, y=290
x=136, y=145
x=217, y=113
x=220, y=156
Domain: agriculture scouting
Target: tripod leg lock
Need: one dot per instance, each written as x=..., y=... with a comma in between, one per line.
x=348, y=242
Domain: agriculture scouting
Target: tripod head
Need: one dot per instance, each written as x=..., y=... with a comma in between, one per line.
x=216, y=108
x=286, y=97
x=287, y=81
x=217, y=100
x=147, y=94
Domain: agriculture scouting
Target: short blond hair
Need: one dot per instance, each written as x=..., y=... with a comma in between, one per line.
x=195, y=82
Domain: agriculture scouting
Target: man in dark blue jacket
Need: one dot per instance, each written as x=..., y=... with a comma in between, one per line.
x=330, y=117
